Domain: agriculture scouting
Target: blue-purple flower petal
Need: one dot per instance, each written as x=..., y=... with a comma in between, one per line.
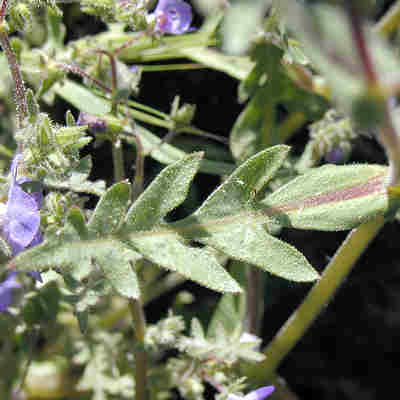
x=260, y=394
x=21, y=222
x=173, y=16
x=6, y=289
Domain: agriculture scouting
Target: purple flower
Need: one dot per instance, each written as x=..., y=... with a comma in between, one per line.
x=6, y=288
x=21, y=219
x=258, y=394
x=172, y=16
x=95, y=124
x=338, y=155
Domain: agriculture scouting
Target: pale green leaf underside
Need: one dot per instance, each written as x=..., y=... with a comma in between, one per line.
x=196, y=264
x=250, y=243
x=330, y=198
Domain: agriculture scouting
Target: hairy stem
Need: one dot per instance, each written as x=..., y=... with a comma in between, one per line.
x=317, y=299
x=79, y=71
x=20, y=95
x=139, y=323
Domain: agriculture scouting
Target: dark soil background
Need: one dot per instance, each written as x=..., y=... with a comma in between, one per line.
x=352, y=351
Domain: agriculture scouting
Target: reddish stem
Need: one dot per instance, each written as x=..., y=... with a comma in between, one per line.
x=3, y=10
x=361, y=45
x=78, y=71
x=113, y=66
x=22, y=107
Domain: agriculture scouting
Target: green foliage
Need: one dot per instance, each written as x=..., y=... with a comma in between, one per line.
x=102, y=374
x=268, y=85
x=78, y=181
x=124, y=244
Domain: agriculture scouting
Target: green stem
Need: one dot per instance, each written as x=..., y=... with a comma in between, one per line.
x=199, y=132
x=158, y=288
x=390, y=21
x=317, y=299
x=139, y=323
x=148, y=109
x=118, y=160
x=171, y=67
x=139, y=168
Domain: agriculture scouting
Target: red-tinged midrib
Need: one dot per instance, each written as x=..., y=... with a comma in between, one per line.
x=373, y=186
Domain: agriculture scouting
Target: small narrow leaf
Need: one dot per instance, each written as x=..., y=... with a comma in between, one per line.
x=168, y=154
x=166, y=192
x=82, y=98
x=110, y=210
x=77, y=220
x=330, y=198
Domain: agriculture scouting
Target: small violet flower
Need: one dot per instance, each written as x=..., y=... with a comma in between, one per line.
x=21, y=227
x=6, y=289
x=338, y=155
x=172, y=16
x=258, y=394
x=21, y=221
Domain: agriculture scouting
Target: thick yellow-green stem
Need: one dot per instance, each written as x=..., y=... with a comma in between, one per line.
x=391, y=20
x=319, y=296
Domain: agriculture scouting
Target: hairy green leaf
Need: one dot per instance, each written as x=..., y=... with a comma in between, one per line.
x=268, y=85
x=197, y=264
x=165, y=193
x=231, y=221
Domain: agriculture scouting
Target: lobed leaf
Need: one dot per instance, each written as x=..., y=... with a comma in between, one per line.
x=230, y=220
